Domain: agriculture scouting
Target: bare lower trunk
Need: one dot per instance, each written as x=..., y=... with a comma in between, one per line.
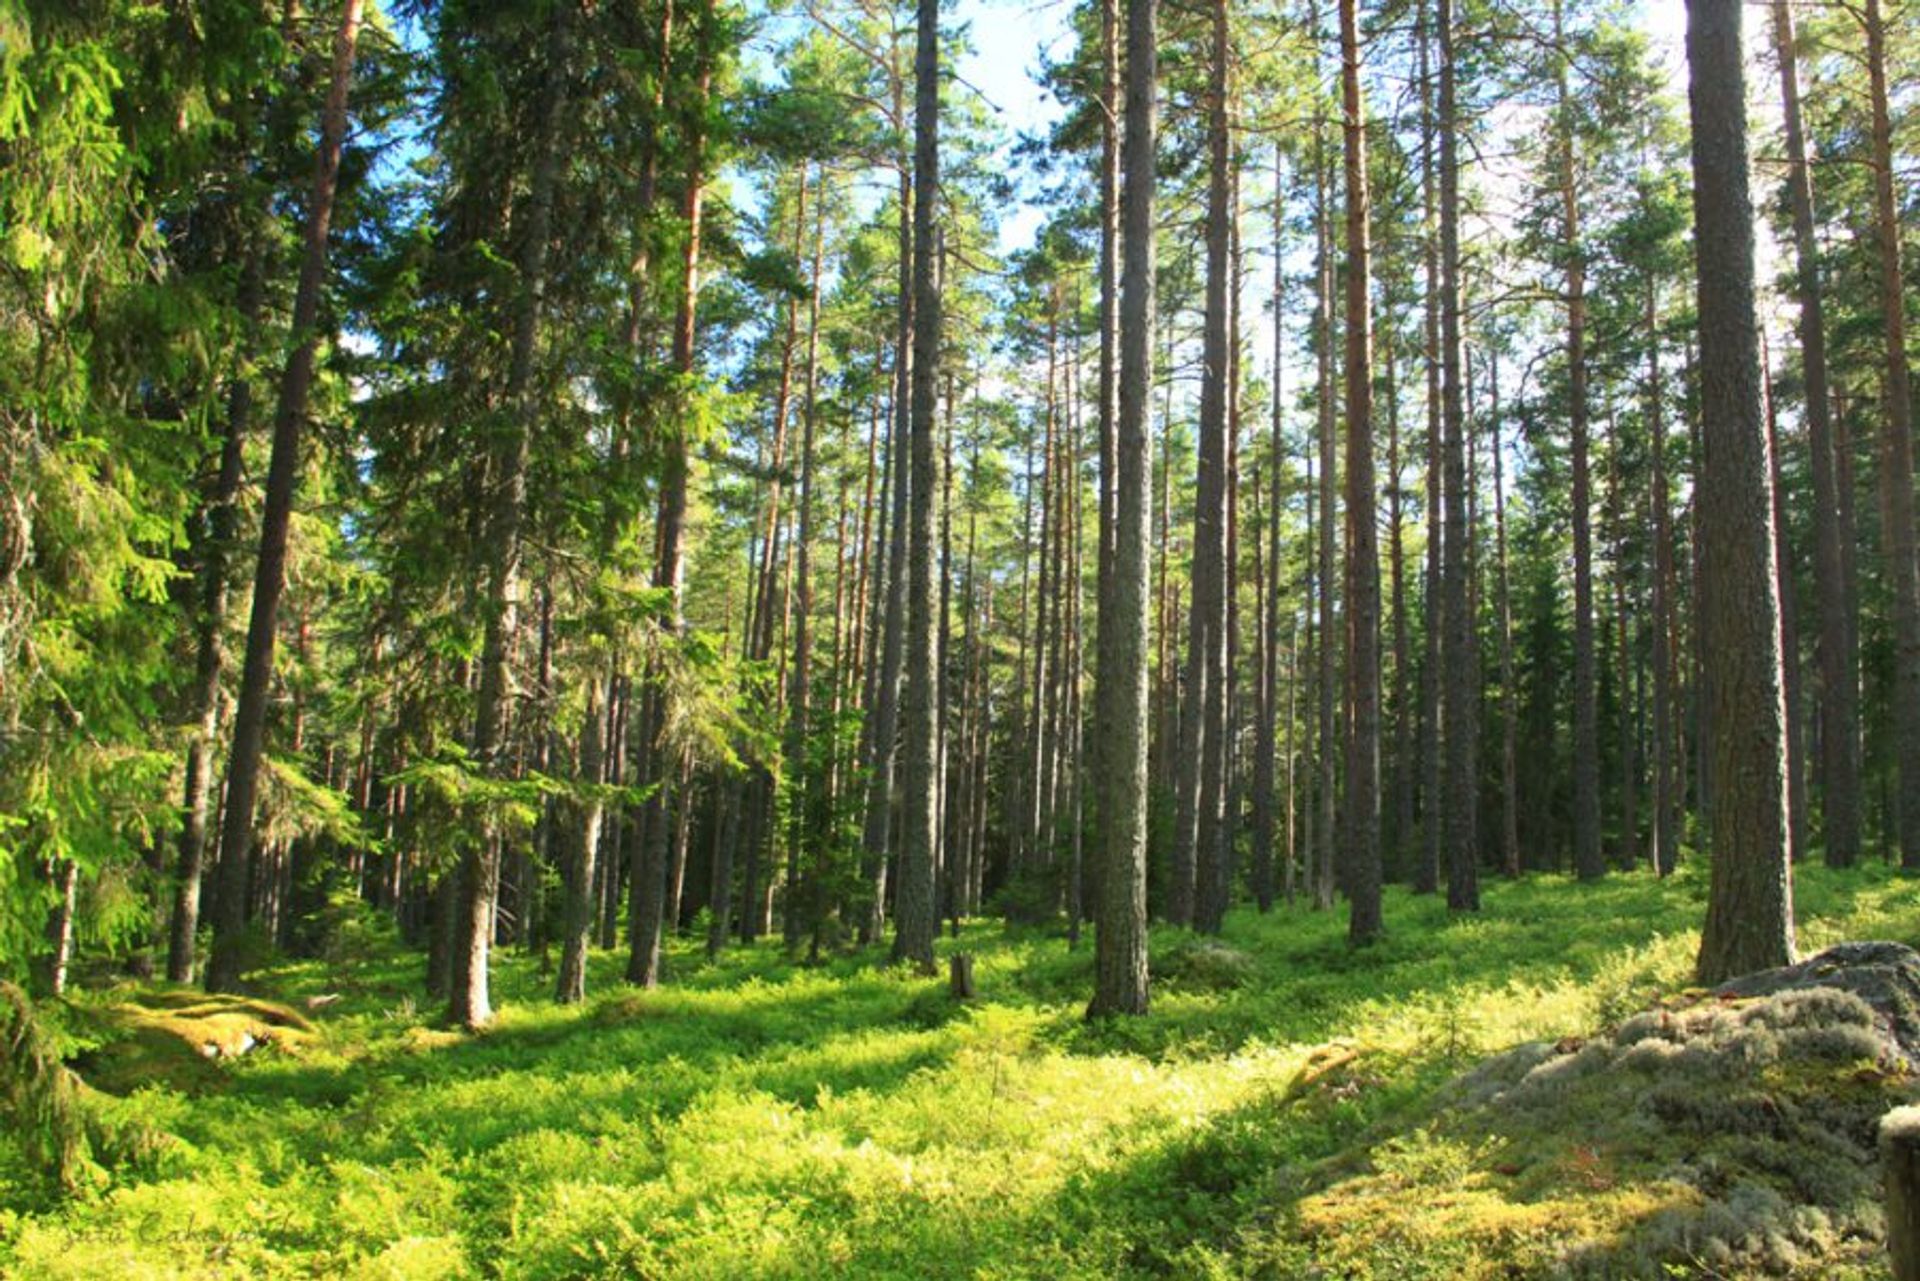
x=1749, y=922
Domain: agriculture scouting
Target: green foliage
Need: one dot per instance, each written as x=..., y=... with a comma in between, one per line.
x=39, y=1097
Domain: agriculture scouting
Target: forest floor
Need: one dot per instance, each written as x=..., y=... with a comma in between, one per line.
x=1290, y=1108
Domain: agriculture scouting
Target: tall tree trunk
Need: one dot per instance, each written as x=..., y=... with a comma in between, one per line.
x=802, y=800
x=647, y=887
x=1426, y=877
x=270, y=572
x=1903, y=568
x=1109, y=373
x=1120, y=943
x=471, y=1000
x=1203, y=729
x=917, y=920
x=1461, y=716
x=218, y=517
x=1267, y=735
x=1327, y=677
x=1839, y=765
x=1667, y=783
x=1587, y=858
x=1509, y=691
x=1362, y=830
x=885, y=704
x=1750, y=898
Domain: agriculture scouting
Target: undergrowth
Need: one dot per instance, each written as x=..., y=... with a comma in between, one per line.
x=759, y=1118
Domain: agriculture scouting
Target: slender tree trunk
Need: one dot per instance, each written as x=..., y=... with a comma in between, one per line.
x=1120, y=942
x=1509, y=691
x=471, y=999
x=1109, y=374
x=1267, y=735
x=1667, y=784
x=802, y=801
x=1461, y=717
x=1839, y=765
x=1587, y=859
x=918, y=920
x=270, y=573
x=198, y=811
x=647, y=888
x=1426, y=877
x=1750, y=898
x=1326, y=737
x=1903, y=567
x=1203, y=728
x=1789, y=627
x=877, y=832
x=1362, y=830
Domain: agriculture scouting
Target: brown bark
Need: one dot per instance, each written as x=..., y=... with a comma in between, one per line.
x=1120, y=944
x=1749, y=922
x=270, y=573
x=1362, y=811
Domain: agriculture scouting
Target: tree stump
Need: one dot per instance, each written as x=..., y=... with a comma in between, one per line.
x=960, y=978
x=1900, y=1167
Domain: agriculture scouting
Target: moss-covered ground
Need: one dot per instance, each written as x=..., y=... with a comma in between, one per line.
x=1290, y=1108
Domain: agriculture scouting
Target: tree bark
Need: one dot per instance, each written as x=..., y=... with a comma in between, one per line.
x=1120, y=943
x=1749, y=922
x=1362, y=831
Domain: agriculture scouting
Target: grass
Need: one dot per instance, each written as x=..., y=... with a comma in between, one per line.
x=1280, y=1113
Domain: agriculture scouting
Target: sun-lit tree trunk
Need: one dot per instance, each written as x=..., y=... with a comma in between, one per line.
x=1361, y=832
x=877, y=829
x=917, y=918
x=1903, y=566
x=804, y=803
x=1203, y=728
x=1426, y=872
x=1326, y=736
x=1460, y=718
x=1266, y=744
x=1839, y=764
x=1587, y=858
x=1749, y=922
x=1120, y=940
x=647, y=889
x=1109, y=371
x=270, y=571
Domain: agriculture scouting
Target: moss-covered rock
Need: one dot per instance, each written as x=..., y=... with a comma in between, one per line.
x=1730, y=1136
x=183, y=1039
